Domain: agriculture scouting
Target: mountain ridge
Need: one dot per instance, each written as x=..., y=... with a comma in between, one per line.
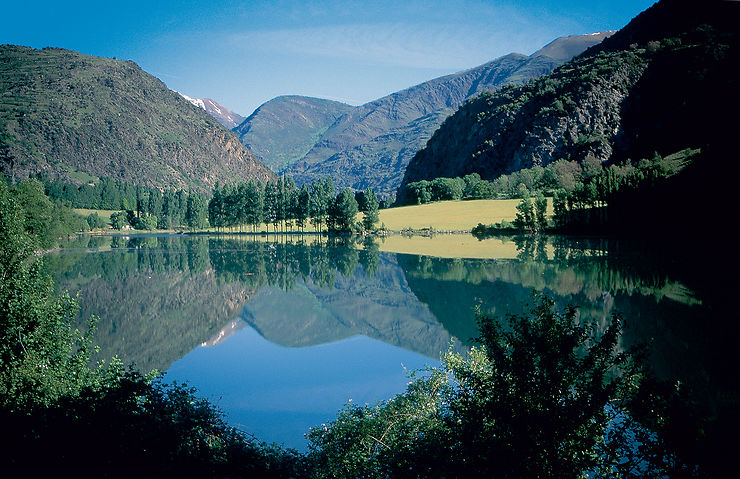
x=288, y=126
x=371, y=144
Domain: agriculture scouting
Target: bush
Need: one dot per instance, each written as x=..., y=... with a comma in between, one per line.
x=535, y=399
x=96, y=222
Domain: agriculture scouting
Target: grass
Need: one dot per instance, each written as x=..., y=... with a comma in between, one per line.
x=450, y=215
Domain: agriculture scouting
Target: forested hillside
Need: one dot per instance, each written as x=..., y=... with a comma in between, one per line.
x=659, y=85
x=79, y=117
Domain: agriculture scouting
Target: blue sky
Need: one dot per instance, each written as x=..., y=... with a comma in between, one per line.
x=243, y=53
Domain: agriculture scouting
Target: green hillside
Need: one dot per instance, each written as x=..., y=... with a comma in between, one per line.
x=78, y=117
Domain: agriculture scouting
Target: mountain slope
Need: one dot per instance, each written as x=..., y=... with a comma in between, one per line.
x=620, y=100
x=371, y=145
x=73, y=115
x=223, y=115
x=359, y=138
x=284, y=129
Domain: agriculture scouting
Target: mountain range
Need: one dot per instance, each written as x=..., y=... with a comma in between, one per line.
x=370, y=145
x=80, y=117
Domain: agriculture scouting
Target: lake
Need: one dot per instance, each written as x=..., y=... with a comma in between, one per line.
x=281, y=332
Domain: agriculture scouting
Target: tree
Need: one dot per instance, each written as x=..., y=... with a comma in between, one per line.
x=95, y=221
x=41, y=357
x=254, y=200
x=540, y=207
x=343, y=211
x=303, y=206
x=196, y=214
x=118, y=220
x=525, y=216
x=560, y=207
x=371, y=210
x=271, y=205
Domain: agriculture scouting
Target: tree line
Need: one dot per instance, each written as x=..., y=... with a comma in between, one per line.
x=280, y=204
x=580, y=192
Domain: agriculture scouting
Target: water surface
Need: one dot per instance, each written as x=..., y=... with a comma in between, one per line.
x=281, y=332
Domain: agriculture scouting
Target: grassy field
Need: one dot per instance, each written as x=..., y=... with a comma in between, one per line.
x=450, y=215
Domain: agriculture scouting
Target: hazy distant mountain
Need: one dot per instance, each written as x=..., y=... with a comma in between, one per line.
x=76, y=116
x=371, y=145
x=223, y=115
x=285, y=128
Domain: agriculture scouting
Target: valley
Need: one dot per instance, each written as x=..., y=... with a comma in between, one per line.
x=428, y=246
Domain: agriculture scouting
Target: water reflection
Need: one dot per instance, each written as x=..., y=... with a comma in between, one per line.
x=162, y=297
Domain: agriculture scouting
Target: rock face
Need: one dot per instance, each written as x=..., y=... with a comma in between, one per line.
x=285, y=128
x=565, y=48
x=75, y=116
x=566, y=115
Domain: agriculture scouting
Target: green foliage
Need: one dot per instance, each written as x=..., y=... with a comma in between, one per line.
x=525, y=216
x=536, y=399
x=342, y=212
x=41, y=357
x=196, y=214
x=95, y=221
x=371, y=210
x=118, y=220
x=132, y=425
x=45, y=220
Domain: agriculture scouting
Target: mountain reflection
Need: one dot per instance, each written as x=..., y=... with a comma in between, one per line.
x=159, y=297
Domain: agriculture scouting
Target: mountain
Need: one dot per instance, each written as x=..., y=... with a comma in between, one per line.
x=77, y=116
x=565, y=48
x=285, y=128
x=662, y=84
x=223, y=115
x=371, y=145
x=372, y=137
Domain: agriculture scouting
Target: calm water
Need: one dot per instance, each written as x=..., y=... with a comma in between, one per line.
x=281, y=334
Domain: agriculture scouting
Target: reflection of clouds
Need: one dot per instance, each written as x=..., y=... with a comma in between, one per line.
x=416, y=46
